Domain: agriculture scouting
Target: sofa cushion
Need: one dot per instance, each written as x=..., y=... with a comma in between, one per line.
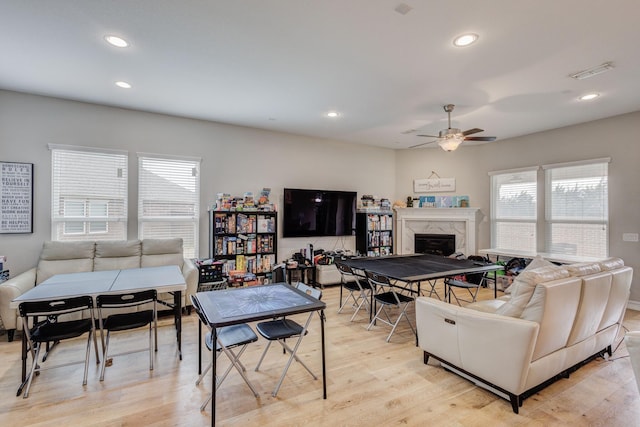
x=583, y=268
x=611, y=264
x=158, y=252
x=117, y=255
x=64, y=257
x=53, y=251
x=524, y=285
x=536, y=262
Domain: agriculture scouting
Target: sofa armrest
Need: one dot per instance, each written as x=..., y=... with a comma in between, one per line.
x=493, y=347
x=12, y=289
x=190, y=273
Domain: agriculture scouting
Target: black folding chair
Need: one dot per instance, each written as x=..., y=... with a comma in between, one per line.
x=127, y=321
x=281, y=329
x=228, y=339
x=387, y=297
x=53, y=329
x=359, y=290
x=469, y=285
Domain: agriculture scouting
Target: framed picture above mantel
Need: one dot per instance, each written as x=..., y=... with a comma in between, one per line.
x=429, y=185
x=16, y=197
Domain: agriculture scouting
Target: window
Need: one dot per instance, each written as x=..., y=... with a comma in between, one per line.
x=577, y=208
x=169, y=199
x=88, y=193
x=85, y=209
x=514, y=209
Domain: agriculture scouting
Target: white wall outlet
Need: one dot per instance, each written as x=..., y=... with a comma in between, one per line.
x=629, y=237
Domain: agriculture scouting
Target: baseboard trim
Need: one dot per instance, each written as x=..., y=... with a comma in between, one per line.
x=634, y=305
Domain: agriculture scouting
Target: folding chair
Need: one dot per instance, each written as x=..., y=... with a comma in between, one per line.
x=52, y=329
x=127, y=321
x=387, y=297
x=281, y=329
x=228, y=338
x=471, y=287
x=359, y=292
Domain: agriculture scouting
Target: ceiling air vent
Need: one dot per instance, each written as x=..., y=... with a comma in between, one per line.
x=594, y=71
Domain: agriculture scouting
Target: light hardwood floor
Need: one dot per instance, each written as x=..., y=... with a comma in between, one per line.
x=370, y=383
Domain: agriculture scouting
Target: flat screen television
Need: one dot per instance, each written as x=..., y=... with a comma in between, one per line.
x=318, y=213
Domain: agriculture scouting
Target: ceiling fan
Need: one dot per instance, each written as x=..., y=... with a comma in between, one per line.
x=451, y=138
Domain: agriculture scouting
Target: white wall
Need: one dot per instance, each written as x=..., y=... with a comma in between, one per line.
x=237, y=159
x=616, y=137
x=234, y=160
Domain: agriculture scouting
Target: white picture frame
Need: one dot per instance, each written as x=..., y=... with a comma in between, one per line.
x=434, y=185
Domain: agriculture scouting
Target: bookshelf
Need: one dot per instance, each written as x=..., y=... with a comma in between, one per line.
x=374, y=233
x=244, y=240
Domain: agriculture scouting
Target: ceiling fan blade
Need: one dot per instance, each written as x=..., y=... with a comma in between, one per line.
x=430, y=136
x=470, y=131
x=424, y=143
x=480, y=138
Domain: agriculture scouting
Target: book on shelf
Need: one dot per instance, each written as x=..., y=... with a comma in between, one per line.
x=266, y=224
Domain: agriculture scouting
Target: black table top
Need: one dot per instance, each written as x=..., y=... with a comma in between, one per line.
x=241, y=305
x=418, y=267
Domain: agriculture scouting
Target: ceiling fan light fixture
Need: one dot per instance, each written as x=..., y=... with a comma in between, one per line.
x=450, y=143
x=465, y=40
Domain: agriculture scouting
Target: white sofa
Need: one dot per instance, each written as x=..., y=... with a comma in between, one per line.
x=79, y=256
x=557, y=318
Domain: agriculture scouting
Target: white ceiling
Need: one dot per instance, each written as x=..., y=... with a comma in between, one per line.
x=282, y=64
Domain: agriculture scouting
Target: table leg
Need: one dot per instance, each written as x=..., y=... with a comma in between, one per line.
x=199, y=347
x=24, y=353
x=24, y=362
x=177, y=313
x=324, y=368
x=214, y=362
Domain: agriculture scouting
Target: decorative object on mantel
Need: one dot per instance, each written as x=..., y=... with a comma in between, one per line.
x=399, y=204
x=16, y=192
x=409, y=202
x=444, y=202
x=434, y=184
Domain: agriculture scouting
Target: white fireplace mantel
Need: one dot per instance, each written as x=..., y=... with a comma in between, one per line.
x=461, y=222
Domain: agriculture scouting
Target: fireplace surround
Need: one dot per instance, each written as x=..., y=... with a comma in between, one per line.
x=461, y=222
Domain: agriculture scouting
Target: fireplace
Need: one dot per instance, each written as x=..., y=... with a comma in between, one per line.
x=437, y=244
x=461, y=222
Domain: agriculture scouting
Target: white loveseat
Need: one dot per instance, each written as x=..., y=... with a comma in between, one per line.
x=557, y=318
x=80, y=256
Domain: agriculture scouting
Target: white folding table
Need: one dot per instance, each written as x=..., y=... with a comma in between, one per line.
x=93, y=283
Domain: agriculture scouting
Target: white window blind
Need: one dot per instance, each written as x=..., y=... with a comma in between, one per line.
x=88, y=194
x=577, y=209
x=169, y=200
x=514, y=209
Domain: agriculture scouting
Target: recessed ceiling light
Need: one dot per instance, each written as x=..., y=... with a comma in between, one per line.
x=589, y=96
x=116, y=41
x=123, y=85
x=333, y=114
x=465, y=40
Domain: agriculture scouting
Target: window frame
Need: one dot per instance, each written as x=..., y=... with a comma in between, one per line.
x=603, y=222
x=112, y=176
x=191, y=250
x=495, y=220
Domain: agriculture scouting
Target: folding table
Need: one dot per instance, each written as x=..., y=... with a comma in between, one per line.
x=93, y=283
x=253, y=303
